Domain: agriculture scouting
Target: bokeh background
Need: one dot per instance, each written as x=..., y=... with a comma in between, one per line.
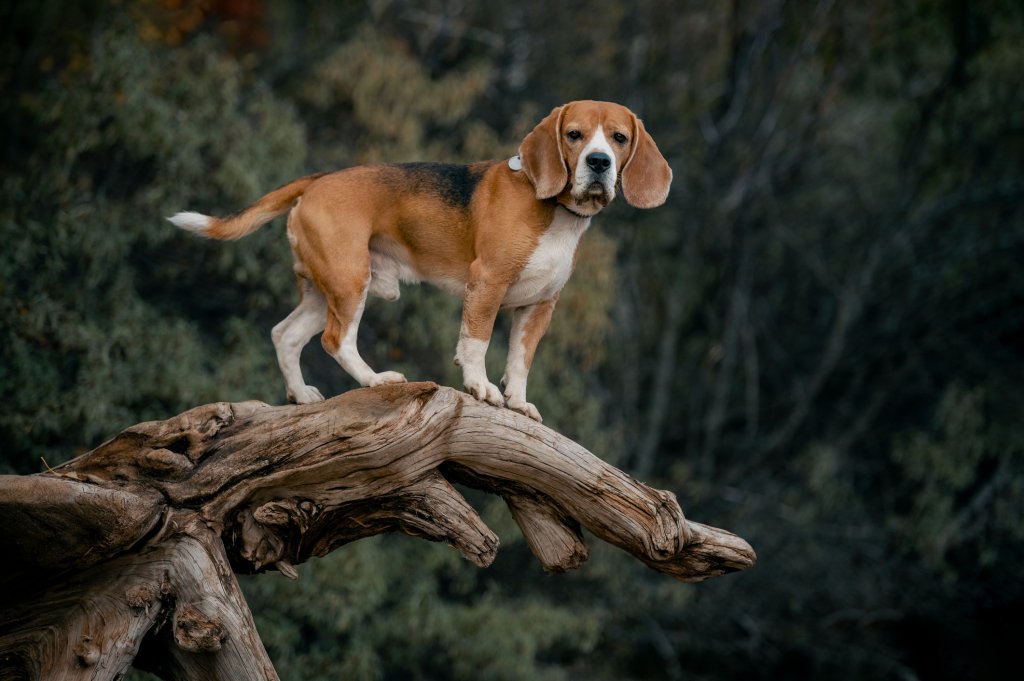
x=817, y=343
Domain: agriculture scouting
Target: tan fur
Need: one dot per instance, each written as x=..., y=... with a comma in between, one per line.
x=345, y=224
x=536, y=327
x=260, y=213
x=645, y=178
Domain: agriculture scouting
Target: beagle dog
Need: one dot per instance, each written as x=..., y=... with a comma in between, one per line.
x=501, y=234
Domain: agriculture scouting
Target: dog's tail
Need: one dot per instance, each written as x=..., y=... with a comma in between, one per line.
x=249, y=220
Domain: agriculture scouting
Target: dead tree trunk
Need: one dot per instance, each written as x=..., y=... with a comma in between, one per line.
x=127, y=554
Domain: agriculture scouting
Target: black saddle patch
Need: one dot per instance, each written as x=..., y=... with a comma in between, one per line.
x=453, y=183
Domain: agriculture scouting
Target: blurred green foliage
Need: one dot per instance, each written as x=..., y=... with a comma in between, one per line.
x=816, y=343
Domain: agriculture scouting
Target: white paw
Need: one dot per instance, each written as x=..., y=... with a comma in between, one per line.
x=385, y=377
x=307, y=394
x=525, y=408
x=484, y=390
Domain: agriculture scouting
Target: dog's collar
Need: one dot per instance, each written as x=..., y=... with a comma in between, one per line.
x=579, y=215
x=516, y=164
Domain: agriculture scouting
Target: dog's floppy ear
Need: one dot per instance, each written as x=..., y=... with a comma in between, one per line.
x=541, y=154
x=646, y=175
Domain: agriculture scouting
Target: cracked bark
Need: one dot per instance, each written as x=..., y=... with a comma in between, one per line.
x=127, y=554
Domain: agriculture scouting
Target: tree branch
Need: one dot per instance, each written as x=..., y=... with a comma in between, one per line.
x=174, y=507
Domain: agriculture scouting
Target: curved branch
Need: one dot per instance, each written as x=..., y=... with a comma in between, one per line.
x=296, y=481
x=247, y=487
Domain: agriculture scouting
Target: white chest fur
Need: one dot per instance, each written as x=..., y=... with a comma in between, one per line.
x=550, y=265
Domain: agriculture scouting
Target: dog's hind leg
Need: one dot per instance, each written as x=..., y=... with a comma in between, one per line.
x=292, y=334
x=339, y=340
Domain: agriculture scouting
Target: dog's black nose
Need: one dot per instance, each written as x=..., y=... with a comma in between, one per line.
x=599, y=161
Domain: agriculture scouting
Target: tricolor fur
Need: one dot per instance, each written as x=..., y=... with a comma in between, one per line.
x=495, y=235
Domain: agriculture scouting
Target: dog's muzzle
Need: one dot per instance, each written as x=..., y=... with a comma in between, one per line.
x=594, y=187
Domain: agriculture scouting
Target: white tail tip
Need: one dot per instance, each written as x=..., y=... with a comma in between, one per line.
x=192, y=222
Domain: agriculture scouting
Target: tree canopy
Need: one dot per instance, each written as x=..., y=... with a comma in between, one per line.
x=818, y=339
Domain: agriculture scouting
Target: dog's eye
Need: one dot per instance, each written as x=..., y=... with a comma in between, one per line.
x=574, y=135
x=620, y=138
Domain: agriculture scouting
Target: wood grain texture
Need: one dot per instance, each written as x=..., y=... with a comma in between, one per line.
x=130, y=550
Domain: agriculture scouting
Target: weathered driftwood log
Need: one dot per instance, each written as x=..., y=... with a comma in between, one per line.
x=127, y=553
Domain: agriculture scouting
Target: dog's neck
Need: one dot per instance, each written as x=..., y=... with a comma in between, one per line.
x=583, y=216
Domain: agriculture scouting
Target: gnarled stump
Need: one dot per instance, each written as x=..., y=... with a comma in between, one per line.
x=128, y=552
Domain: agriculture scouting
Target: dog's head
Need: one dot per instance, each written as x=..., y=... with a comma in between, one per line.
x=583, y=149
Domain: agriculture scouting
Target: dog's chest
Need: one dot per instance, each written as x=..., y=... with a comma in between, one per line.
x=550, y=264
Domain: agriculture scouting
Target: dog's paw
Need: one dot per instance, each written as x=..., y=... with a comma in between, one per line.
x=525, y=408
x=485, y=391
x=385, y=377
x=307, y=394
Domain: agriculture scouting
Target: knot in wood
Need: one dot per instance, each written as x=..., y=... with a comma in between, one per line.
x=86, y=652
x=216, y=417
x=166, y=464
x=140, y=596
x=278, y=512
x=196, y=632
x=257, y=537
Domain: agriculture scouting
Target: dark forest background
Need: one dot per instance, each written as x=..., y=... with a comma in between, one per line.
x=818, y=342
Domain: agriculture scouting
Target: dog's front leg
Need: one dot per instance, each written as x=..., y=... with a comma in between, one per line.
x=479, y=308
x=528, y=326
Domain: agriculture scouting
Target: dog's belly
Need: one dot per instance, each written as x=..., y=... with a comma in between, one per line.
x=390, y=266
x=545, y=273
x=550, y=264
